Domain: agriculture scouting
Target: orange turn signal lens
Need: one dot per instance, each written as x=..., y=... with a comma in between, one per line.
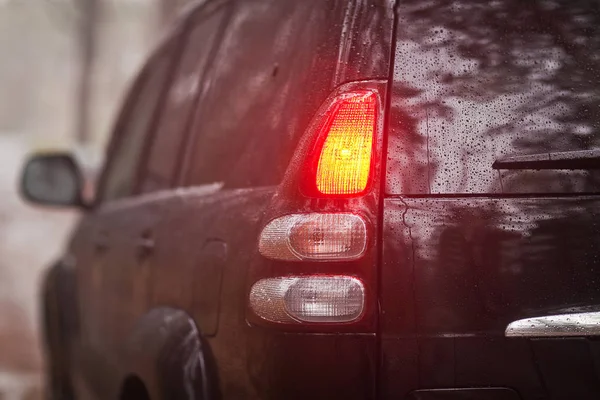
x=345, y=161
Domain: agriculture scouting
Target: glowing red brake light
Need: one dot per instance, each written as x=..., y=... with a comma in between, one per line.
x=345, y=161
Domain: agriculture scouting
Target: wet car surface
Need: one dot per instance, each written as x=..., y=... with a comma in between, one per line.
x=342, y=199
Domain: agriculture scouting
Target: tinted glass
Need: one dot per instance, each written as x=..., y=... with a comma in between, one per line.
x=476, y=82
x=141, y=108
x=275, y=65
x=174, y=120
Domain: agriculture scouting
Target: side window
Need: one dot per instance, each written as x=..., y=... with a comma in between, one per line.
x=133, y=127
x=487, y=105
x=275, y=64
x=169, y=137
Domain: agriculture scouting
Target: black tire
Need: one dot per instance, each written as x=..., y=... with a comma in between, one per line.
x=58, y=384
x=134, y=389
x=184, y=370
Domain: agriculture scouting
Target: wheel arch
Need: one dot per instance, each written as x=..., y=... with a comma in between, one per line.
x=168, y=355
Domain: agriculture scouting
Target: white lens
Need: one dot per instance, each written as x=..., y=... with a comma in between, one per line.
x=318, y=236
x=324, y=299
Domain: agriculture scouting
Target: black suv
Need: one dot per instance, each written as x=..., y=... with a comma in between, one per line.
x=322, y=199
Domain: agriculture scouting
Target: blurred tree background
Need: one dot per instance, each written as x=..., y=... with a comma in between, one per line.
x=64, y=68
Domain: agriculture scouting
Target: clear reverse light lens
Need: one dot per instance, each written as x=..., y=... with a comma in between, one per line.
x=334, y=236
x=316, y=299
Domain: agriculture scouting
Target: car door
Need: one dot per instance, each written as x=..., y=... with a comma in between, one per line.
x=491, y=259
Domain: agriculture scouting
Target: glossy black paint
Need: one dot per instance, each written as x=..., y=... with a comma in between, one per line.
x=470, y=243
x=465, y=394
x=160, y=273
x=162, y=264
x=457, y=271
x=475, y=82
x=479, y=263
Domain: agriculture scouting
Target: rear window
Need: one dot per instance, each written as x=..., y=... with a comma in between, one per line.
x=478, y=83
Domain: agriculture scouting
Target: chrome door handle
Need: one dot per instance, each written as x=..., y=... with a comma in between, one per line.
x=575, y=324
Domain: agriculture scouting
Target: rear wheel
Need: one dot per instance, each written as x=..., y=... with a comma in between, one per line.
x=58, y=383
x=134, y=389
x=183, y=370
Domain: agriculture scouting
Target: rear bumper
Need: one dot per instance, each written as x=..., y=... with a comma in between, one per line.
x=549, y=368
x=311, y=366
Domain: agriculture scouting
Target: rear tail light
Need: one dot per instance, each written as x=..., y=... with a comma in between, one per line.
x=344, y=163
x=336, y=168
x=317, y=236
x=317, y=299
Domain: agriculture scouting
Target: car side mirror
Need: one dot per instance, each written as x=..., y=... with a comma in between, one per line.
x=52, y=179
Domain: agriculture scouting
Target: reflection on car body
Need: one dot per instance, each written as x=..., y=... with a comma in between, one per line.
x=343, y=199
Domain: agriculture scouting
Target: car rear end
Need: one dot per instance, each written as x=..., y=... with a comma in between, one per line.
x=312, y=292
x=489, y=269
x=435, y=236
x=309, y=299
